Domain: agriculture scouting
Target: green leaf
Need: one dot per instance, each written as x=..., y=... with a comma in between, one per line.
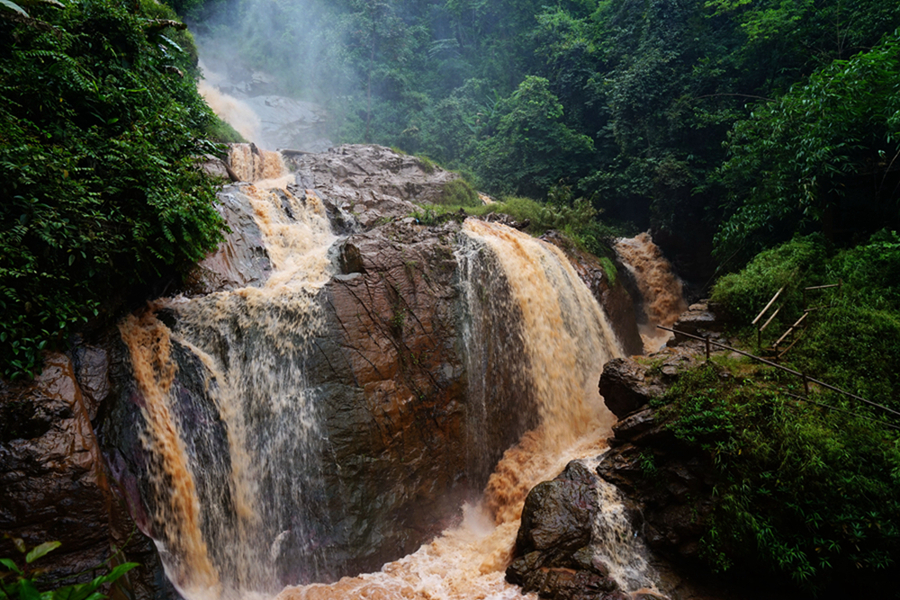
x=10, y=565
x=117, y=572
x=13, y=6
x=27, y=591
x=41, y=550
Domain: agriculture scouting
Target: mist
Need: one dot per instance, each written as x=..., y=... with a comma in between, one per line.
x=317, y=73
x=269, y=70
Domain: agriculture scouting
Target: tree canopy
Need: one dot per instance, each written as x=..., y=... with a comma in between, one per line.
x=639, y=101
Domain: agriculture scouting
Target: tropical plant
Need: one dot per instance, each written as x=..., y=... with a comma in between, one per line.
x=820, y=155
x=25, y=582
x=101, y=128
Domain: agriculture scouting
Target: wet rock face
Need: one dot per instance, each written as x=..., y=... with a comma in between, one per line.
x=398, y=426
x=241, y=260
x=53, y=482
x=552, y=547
x=668, y=482
x=373, y=182
x=699, y=319
x=625, y=386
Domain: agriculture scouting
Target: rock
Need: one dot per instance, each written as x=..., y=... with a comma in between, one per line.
x=53, y=481
x=374, y=182
x=553, y=544
x=241, y=260
x=398, y=433
x=625, y=387
x=635, y=425
x=287, y=122
x=670, y=485
x=647, y=595
x=697, y=320
x=558, y=515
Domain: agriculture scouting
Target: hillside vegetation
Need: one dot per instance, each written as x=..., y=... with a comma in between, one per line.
x=806, y=487
x=101, y=128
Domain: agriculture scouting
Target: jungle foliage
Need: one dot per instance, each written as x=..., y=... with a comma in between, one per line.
x=101, y=128
x=804, y=490
x=683, y=115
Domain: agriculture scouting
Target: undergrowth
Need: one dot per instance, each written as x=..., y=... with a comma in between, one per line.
x=800, y=491
x=808, y=492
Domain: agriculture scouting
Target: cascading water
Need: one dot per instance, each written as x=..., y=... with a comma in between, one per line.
x=558, y=351
x=662, y=296
x=232, y=519
x=235, y=475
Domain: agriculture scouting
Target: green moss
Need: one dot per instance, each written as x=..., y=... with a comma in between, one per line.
x=609, y=269
x=459, y=193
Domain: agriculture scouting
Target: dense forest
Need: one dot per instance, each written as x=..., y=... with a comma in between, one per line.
x=759, y=138
x=746, y=121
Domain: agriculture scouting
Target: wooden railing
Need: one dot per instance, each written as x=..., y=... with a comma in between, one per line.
x=806, y=379
x=793, y=328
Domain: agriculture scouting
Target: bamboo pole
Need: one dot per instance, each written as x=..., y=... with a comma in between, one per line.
x=787, y=370
x=790, y=329
x=772, y=301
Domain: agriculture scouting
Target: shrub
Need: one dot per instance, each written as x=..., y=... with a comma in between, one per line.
x=100, y=127
x=459, y=193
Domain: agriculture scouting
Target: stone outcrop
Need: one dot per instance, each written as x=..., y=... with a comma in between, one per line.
x=53, y=481
x=398, y=428
x=669, y=483
x=699, y=319
x=373, y=182
x=625, y=387
x=553, y=554
x=241, y=259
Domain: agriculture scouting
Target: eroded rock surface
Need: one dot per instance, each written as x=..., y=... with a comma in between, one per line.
x=241, y=259
x=553, y=553
x=373, y=182
x=670, y=484
x=53, y=481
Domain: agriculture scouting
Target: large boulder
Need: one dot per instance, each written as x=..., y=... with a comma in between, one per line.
x=374, y=182
x=624, y=386
x=553, y=556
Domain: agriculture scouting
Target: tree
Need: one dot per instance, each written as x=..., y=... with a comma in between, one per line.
x=824, y=155
x=530, y=148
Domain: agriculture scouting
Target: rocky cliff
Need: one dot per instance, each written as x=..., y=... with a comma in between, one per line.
x=388, y=370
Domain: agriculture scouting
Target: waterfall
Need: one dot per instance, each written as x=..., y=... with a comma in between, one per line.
x=662, y=297
x=235, y=444
x=253, y=418
x=567, y=339
x=557, y=351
